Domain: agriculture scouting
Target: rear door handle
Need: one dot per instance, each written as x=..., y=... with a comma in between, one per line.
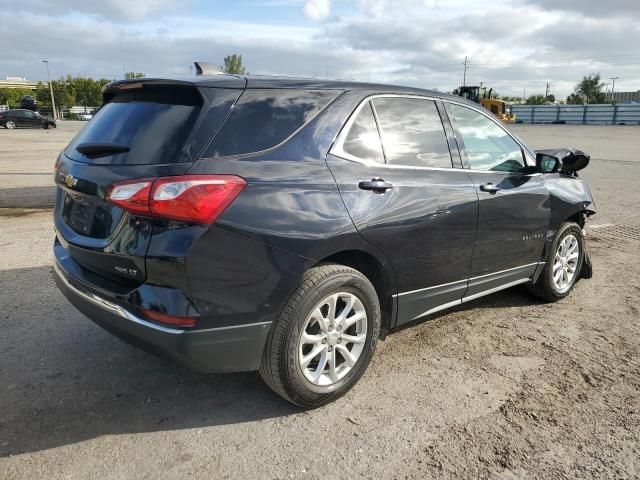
x=378, y=185
x=489, y=187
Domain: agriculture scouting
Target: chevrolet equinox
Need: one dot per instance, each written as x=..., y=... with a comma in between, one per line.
x=235, y=223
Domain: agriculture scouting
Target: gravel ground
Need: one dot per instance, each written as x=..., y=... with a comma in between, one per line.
x=505, y=387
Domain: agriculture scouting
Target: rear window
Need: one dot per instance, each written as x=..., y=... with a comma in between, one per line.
x=153, y=122
x=263, y=118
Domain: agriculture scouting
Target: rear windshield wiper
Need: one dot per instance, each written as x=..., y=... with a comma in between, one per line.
x=101, y=149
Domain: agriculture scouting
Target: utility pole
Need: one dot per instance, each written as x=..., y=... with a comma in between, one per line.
x=613, y=86
x=464, y=76
x=546, y=91
x=124, y=61
x=53, y=102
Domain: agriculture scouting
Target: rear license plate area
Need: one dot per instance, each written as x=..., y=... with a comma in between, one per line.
x=81, y=214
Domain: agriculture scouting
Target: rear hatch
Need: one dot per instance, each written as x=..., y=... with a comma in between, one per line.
x=144, y=129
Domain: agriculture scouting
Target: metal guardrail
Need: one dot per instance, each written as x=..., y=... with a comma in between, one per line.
x=593, y=114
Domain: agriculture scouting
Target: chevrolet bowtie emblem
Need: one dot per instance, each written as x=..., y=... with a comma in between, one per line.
x=70, y=181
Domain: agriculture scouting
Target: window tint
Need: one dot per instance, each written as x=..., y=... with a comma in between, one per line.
x=363, y=140
x=262, y=118
x=154, y=122
x=487, y=145
x=412, y=132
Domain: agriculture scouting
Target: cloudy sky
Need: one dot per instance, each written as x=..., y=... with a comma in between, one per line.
x=512, y=45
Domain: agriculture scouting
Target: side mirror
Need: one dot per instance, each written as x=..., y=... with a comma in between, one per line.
x=547, y=163
x=576, y=160
x=563, y=160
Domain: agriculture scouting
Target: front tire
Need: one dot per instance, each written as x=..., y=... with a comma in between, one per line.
x=325, y=337
x=10, y=124
x=564, y=264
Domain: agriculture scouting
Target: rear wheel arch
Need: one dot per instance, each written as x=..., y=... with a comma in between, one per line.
x=377, y=273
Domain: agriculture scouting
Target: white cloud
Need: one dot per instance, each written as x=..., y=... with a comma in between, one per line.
x=317, y=10
x=108, y=9
x=415, y=42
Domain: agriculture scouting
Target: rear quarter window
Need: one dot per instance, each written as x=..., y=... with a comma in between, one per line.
x=263, y=118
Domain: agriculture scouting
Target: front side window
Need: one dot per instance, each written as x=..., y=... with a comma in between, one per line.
x=263, y=118
x=412, y=132
x=487, y=145
x=363, y=139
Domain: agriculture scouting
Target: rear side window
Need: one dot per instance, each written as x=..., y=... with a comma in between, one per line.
x=363, y=139
x=263, y=118
x=412, y=132
x=153, y=122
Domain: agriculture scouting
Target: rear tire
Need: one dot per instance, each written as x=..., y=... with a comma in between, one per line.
x=564, y=264
x=10, y=124
x=325, y=337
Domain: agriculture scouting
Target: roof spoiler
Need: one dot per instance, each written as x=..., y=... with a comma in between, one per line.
x=205, y=68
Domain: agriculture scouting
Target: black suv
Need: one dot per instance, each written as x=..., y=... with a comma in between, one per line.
x=240, y=223
x=29, y=102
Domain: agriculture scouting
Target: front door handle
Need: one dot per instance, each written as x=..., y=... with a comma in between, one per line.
x=489, y=187
x=378, y=185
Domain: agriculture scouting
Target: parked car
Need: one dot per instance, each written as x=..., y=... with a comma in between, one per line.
x=241, y=223
x=29, y=102
x=85, y=116
x=25, y=118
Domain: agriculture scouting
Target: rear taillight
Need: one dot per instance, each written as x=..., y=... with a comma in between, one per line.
x=189, y=198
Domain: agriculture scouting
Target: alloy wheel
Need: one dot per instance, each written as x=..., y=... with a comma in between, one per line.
x=332, y=339
x=10, y=124
x=565, y=263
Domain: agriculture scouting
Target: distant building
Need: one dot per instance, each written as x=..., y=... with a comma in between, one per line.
x=18, y=82
x=623, y=97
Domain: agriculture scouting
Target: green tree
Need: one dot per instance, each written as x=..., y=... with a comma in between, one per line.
x=536, y=100
x=551, y=98
x=233, y=64
x=12, y=96
x=575, y=99
x=591, y=89
x=130, y=75
x=88, y=91
x=71, y=91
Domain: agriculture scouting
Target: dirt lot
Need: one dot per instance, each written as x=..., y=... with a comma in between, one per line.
x=505, y=387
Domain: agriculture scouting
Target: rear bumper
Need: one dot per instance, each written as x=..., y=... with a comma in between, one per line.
x=223, y=349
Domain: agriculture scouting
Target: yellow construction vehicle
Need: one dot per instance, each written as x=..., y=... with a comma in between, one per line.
x=498, y=107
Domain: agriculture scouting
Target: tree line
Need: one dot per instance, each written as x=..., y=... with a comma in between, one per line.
x=73, y=91
x=83, y=91
x=588, y=90
x=67, y=91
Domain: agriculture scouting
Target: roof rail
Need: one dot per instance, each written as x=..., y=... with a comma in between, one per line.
x=205, y=68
